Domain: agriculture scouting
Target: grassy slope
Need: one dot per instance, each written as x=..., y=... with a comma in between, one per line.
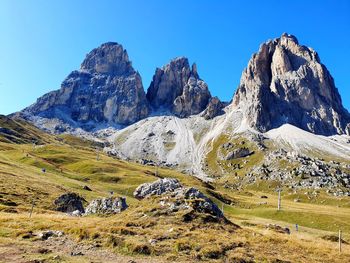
x=69, y=168
x=19, y=131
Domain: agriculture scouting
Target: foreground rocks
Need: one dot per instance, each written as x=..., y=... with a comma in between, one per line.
x=72, y=204
x=106, y=206
x=198, y=201
x=158, y=187
x=177, y=197
x=50, y=234
x=69, y=203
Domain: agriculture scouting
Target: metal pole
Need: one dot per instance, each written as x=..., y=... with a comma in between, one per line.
x=339, y=241
x=279, y=200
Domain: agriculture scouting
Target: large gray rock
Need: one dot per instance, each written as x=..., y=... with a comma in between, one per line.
x=158, y=187
x=238, y=153
x=69, y=203
x=106, y=206
x=285, y=82
x=105, y=89
x=177, y=87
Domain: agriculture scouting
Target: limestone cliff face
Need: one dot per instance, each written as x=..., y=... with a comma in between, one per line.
x=285, y=82
x=105, y=89
x=177, y=87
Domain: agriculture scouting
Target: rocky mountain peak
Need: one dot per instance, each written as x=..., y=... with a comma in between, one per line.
x=178, y=88
x=285, y=82
x=109, y=58
x=106, y=89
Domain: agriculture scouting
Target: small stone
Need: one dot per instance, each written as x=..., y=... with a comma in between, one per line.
x=87, y=188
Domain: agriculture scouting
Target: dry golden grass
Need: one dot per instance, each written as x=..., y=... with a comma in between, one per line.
x=69, y=168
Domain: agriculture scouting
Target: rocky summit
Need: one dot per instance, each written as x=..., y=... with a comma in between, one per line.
x=178, y=88
x=285, y=82
x=106, y=89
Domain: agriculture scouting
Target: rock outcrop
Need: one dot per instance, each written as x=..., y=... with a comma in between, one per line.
x=105, y=89
x=177, y=87
x=178, y=197
x=199, y=202
x=69, y=203
x=158, y=187
x=285, y=82
x=238, y=153
x=106, y=206
x=213, y=109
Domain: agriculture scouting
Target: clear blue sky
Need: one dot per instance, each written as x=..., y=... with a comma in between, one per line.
x=41, y=42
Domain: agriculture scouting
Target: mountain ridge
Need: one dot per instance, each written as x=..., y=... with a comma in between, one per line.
x=280, y=72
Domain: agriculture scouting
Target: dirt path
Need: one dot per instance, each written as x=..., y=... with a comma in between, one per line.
x=63, y=249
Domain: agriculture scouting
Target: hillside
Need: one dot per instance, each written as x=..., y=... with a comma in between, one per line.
x=16, y=130
x=144, y=232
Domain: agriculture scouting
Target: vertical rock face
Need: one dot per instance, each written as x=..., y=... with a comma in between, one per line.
x=214, y=108
x=286, y=83
x=105, y=89
x=178, y=88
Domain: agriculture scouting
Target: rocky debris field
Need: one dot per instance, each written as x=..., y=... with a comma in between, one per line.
x=303, y=172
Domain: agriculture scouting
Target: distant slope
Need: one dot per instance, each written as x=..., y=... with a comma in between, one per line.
x=300, y=140
x=16, y=130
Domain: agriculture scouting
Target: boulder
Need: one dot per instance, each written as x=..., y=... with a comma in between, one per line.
x=50, y=233
x=69, y=203
x=239, y=153
x=175, y=197
x=158, y=187
x=107, y=206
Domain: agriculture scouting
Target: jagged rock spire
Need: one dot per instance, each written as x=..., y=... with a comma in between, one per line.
x=177, y=87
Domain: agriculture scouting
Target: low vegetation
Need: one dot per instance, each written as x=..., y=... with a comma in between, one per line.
x=37, y=174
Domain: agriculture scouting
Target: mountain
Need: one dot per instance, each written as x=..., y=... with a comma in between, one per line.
x=107, y=92
x=285, y=82
x=178, y=88
x=106, y=89
x=268, y=138
x=286, y=105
